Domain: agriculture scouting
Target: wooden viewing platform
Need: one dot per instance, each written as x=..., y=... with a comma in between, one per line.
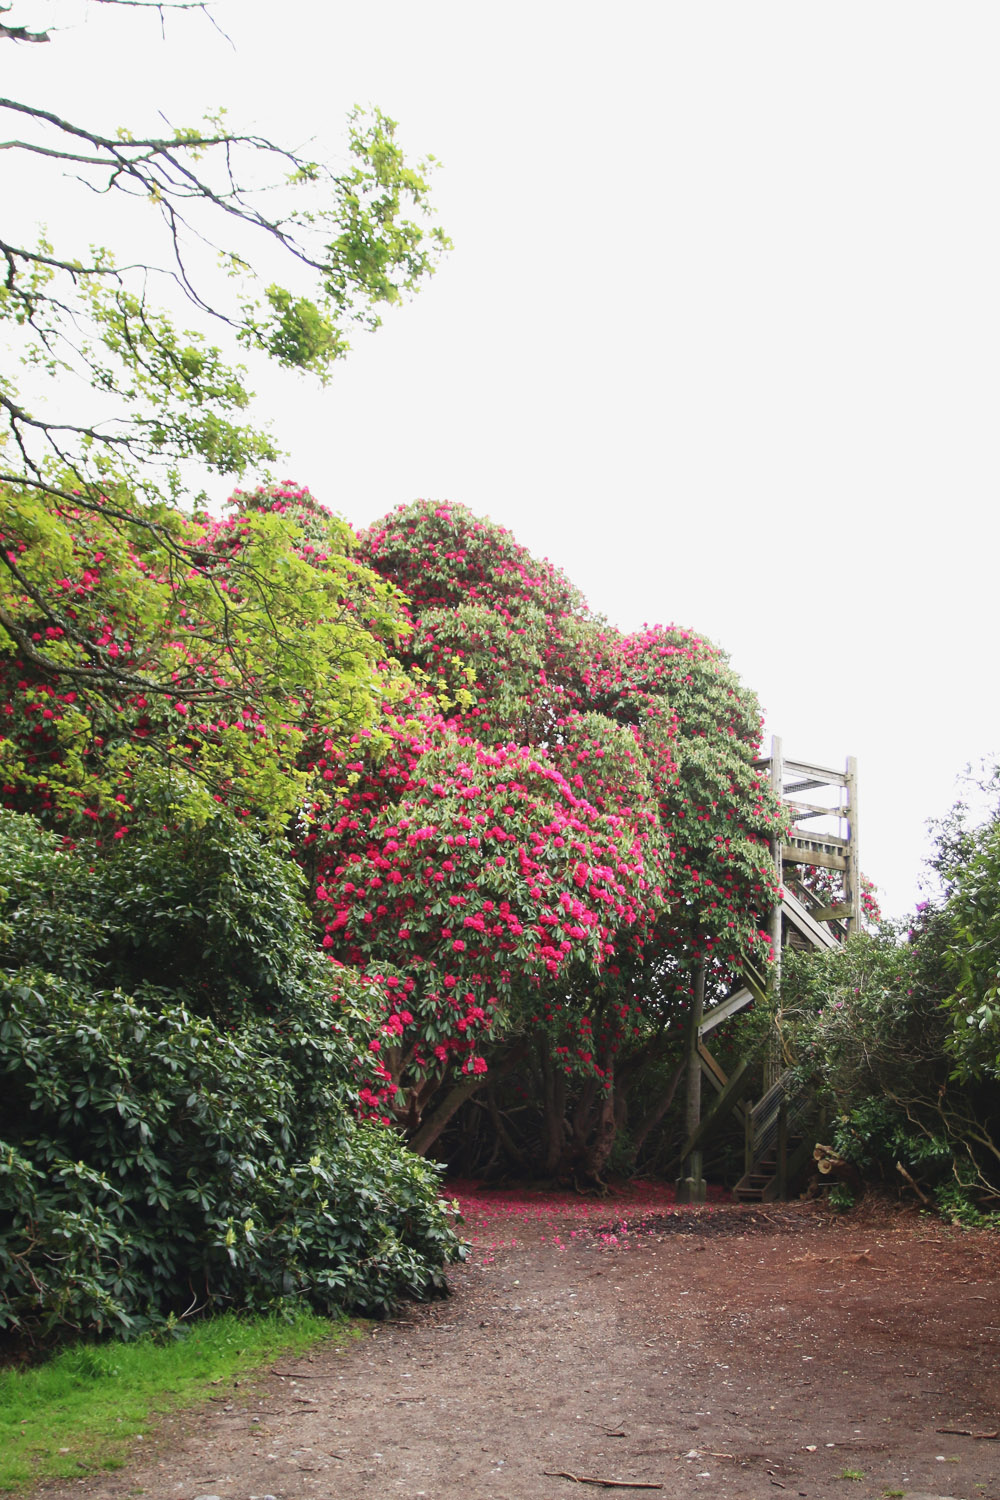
x=823, y=835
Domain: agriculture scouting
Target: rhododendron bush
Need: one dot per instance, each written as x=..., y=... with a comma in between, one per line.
x=485, y=881
x=179, y=1077
x=185, y=1077
x=449, y=859
x=522, y=831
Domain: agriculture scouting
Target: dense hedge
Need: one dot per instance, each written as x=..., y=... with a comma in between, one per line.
x=170, y=1147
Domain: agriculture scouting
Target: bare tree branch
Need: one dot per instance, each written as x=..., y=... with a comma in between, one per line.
x=158, y=398
x=22, y=34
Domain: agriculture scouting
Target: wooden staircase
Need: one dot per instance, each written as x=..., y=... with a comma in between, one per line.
x=778, y=1147
x=822, y=835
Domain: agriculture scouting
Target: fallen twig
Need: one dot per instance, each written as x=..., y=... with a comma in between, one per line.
x=967, y=1432
x=608, y=1484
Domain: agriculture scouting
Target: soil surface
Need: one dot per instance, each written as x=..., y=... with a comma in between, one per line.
x=724, y=1350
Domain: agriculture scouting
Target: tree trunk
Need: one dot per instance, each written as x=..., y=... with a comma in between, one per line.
x=583, y=1119
x=431, y=1128
x=554, y=1129
x=607, y=1129
x=503, y=1135
x=655, y=1116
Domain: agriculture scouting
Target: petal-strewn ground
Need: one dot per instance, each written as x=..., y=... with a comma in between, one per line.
x=724, y=1351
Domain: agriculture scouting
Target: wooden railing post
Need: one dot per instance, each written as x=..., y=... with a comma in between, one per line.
x=852, y=875
x=783, y=1149
x=772, y=1059
x=691, y=1183
x=778, y=787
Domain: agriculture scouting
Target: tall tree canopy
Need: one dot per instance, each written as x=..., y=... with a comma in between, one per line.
x=113, y=407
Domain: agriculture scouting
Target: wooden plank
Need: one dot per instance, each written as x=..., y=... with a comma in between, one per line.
x=711, y=1069
x=852, y=879
x=732, y=1094
x=815, y=810
x=805, y=839
x=714, y=1073
x=819, y=936
x=690, y=1187
x=726, y=1008
x=793, y=855
x=818, y=844
x=753, y=981
x=825, y=775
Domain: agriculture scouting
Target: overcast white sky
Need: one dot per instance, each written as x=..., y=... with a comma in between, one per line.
x=719, y=335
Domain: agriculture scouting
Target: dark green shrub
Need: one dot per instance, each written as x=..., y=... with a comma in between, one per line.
x=877, y=1134
x=155, y=1161
x=869, y=1025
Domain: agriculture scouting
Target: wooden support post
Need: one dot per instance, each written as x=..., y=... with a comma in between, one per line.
x=783, y=1150
x=777, y=786
x=772, y=1061
x=852, y=875
x=728, y=1101
x=691, y=1184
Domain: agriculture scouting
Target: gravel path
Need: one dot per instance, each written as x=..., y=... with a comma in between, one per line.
x=721, y=1352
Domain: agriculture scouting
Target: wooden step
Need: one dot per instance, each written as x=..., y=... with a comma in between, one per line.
x=760, y=1185
x=753, y=1186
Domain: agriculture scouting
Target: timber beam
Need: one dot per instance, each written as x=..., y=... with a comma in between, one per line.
x=800, y=917
x=726, y=1008
x=739, y=1083
x=797, y=854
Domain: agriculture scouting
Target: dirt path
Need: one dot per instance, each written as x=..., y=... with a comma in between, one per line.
x=720, y=1351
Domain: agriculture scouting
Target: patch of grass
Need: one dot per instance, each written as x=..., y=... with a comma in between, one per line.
x=84, y=1408
x=851, y=1474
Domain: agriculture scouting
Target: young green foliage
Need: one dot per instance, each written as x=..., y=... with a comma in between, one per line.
x=111, y=407
x=206, y=645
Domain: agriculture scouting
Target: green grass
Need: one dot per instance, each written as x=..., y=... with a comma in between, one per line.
x=84, y=1408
